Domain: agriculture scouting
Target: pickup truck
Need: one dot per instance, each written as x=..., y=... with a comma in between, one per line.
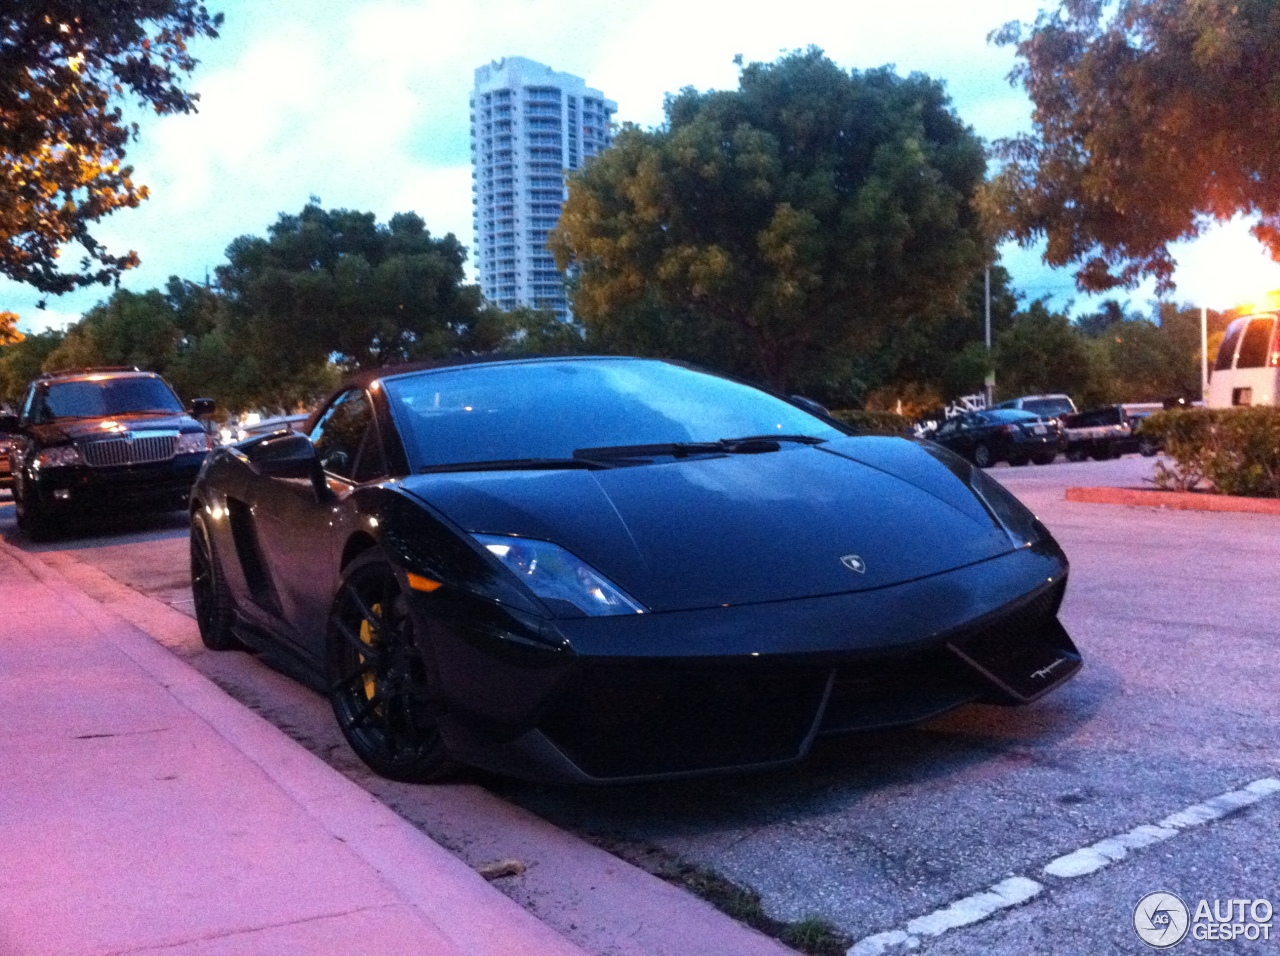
x=1103, y=433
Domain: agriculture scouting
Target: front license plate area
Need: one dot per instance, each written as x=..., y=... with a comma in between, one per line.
x=1024, y=659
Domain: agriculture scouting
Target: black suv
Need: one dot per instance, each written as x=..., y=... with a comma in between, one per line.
x=104, y=441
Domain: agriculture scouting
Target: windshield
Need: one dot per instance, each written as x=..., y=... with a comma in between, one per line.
x=1048, y=407
x=1009, y=415
x=549, y=410
x=88, y=398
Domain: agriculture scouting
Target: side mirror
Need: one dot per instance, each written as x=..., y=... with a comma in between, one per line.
x=202, y=407
x=285, y=456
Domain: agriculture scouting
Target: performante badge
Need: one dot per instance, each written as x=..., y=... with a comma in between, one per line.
x=854, y=563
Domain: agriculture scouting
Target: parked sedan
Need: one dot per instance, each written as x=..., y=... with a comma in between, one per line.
x=1002, y=434
x=609, y=569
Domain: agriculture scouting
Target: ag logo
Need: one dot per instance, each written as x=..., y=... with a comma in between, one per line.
x=1161, y=920
x=854, y=563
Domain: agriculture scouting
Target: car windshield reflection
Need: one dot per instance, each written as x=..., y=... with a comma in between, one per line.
x=99, y=399
x=556, y=410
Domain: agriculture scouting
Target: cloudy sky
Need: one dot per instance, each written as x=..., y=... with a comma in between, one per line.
x=364, y=104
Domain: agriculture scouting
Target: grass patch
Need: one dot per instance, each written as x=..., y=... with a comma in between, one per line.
x=811, y=935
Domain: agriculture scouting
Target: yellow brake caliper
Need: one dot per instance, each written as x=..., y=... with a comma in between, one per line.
x=366, y=635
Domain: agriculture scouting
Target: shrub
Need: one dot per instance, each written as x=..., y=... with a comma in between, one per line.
x=875, y=423
x=1236, y=450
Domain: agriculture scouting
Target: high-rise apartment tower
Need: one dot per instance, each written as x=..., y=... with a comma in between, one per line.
x=529, y=124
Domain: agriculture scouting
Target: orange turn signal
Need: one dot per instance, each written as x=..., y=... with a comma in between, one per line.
x=419, y=583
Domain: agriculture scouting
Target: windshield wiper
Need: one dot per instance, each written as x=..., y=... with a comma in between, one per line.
x=747, y=445
x=676, y=449
x=516, y=464
x=798, y=439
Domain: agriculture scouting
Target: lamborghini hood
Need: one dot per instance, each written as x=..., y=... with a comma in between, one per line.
x=850, y=515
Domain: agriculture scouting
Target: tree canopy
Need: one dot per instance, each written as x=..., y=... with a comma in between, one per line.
x=780, y=227
x=1153, y=118
x=66, y=69
x=336, y=283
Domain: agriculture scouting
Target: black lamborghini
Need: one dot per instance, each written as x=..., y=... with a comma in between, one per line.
x=609, y=569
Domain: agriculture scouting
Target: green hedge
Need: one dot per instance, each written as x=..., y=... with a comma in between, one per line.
x=1236, y=450
x=875, y=423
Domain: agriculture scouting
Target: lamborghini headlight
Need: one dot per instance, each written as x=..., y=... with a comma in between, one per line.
x=556, y=576
x=59, y=456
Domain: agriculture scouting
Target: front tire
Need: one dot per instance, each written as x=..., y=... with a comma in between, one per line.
x=1045, y=459
x=36, y=523
x=215, y=607
x=982, y=456
x=379, y=691
x=1148, y=448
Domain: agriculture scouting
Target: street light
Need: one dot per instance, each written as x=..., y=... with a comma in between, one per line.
x=989, y=385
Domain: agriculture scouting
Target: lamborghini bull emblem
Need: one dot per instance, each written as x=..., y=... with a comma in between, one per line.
x=854, y=563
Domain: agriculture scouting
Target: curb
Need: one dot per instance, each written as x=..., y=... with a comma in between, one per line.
x=467, y=912
x=1179, y=500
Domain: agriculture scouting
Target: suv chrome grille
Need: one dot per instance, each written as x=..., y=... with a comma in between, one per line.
x=138, y=450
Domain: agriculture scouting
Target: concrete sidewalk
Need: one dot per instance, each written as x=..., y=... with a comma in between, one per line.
x=144, y=811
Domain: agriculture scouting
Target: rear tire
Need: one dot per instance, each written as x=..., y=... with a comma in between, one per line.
x=379, y=686
x=215, y=607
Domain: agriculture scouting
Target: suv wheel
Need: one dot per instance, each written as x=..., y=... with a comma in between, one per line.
x=982, y=456
x=33, y=519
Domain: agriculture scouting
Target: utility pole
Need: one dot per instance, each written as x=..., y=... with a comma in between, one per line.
x=990, y=384
x=1204, y=354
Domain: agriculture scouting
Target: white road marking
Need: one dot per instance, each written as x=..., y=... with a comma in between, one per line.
x=1017, y=890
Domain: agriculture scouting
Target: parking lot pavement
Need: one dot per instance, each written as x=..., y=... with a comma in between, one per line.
x=1176, y=615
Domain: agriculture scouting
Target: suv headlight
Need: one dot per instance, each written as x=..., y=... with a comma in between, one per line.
x=192, y=442
x=59, y=456
x=555, y=575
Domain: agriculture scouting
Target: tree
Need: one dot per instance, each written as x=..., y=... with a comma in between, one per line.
x=1152, y=119
x=1041, y=351
x=66, y=66
x=336, y=283
x=22, y=361
x=9, y=328
x=1097, y=324
x=779, y=228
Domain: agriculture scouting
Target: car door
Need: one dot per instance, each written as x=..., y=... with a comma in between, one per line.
x=300, y=524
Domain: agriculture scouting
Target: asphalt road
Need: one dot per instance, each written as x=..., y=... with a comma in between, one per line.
x=1178, y=616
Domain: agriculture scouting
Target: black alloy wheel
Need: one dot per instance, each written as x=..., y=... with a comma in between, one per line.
x=982, y=456
x=215, y=607
x=379, y=690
